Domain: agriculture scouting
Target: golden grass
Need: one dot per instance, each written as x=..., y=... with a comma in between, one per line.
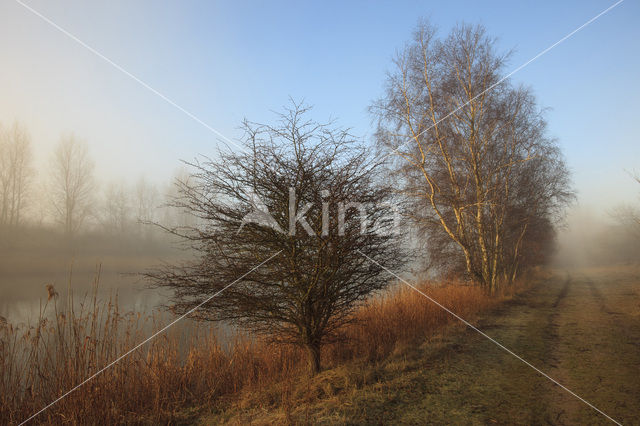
x=188, y=366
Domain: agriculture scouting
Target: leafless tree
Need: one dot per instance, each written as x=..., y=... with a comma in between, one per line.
x=171, y=214
x=285, y=196
x=72, y=183
x=628, y=215
x=472, y=153
x=15, y=173
x=146, y=204
x=117, y=210
x=146, y=200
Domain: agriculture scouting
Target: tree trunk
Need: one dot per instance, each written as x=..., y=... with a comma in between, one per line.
x=313, y=352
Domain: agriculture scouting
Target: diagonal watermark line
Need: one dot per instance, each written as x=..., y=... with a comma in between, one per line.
x=162, y=330
x=501, y=346
x=127, y=73
x=571, y=34
x=195, y=118
x=200, y=121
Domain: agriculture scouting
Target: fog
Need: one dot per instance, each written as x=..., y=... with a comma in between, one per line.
x=33, y=257
x=62, y=225
x=599, y=237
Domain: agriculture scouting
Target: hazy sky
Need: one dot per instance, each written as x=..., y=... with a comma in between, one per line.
x=224, y=61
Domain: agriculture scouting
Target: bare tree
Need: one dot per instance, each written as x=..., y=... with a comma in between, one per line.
x=72, y=183
x=118, y=209
x=297, y=194
x=628, y=215
x=146, y=200
x=15, y=173
x=146, y=203
x=171, y=214
x=471, y=152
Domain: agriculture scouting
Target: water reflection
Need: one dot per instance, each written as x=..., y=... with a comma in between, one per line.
x=30, y=260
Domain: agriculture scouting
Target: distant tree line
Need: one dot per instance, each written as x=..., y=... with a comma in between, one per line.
x=66, y=195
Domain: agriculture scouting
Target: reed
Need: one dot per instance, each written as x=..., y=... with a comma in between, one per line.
x=190, y=365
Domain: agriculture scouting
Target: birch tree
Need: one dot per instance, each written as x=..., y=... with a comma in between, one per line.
x=471, y=151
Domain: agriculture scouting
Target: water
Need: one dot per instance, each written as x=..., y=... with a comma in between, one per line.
x=31, y=261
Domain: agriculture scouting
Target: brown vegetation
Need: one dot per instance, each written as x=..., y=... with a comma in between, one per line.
x=190, y=369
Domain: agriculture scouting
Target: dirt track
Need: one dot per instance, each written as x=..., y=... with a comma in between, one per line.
x=597, y=336
x=581, y=327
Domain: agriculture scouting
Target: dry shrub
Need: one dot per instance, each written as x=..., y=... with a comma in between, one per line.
x=188, y=365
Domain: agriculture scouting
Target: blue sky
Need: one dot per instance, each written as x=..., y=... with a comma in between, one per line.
x=224, y=61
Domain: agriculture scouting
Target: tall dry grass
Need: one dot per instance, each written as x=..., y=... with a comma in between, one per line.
x=403, y=316
x=187, y=366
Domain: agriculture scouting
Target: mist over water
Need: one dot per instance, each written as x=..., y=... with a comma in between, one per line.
x=31, y=259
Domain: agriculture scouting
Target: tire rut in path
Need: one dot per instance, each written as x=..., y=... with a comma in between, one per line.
x=598, y=359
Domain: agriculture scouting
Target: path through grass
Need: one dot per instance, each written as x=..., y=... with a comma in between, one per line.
x=580, y=327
